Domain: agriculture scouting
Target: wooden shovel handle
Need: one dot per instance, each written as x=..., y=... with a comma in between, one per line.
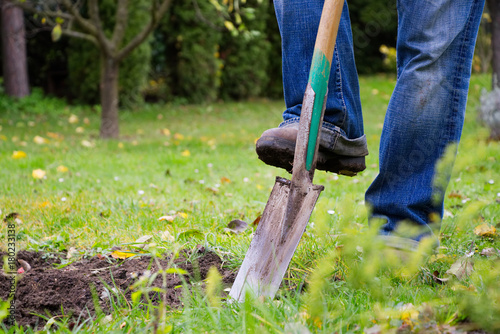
x=320, y=73
x=329, y=27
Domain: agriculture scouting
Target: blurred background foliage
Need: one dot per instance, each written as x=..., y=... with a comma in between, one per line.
x=198, y=55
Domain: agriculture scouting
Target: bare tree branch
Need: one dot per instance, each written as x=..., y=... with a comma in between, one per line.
x=107, y=47
x=121, y=23
x=80, y=35
x=30, y=9
x=156, y=15
x=82, y=22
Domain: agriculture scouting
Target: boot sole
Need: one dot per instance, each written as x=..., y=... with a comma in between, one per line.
x=279, y=153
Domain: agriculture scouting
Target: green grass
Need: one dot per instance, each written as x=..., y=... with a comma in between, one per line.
x=115, y=191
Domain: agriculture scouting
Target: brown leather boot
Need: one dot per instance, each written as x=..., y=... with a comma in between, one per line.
x=276, y=147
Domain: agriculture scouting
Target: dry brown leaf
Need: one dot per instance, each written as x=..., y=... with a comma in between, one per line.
x=236, y=226
x=462, y=268
x=489, y=252
x=257, y=220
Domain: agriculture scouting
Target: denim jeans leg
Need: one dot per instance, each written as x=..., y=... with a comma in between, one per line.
x=298, y=21
x=425, y=115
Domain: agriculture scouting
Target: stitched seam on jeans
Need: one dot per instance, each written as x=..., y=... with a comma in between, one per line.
x=461, y=57
x=344, y=108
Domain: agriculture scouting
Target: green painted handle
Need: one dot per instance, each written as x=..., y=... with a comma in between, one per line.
x=320, y=69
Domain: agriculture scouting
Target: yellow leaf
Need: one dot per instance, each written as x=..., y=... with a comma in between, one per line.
x=186, y=153
x=224, y=180
x=165, y=132
x=38, y=174
x=229, y=25
x=62, y=169
x=259, y=187
x=56, y=33
x=3, y=137
x=182, y=215
x=120, y=145
x=122, y=254
x=40, y=140
x=178, y=136
x=485, y=230
x=19, y=155
x=44, y=204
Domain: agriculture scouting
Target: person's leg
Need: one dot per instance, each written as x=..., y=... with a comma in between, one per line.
x=342, y=132
x=435, y=47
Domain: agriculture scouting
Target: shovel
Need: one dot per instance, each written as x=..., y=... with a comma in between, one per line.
x=290, y=204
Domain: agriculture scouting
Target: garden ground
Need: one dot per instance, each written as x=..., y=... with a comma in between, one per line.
x=175, y=180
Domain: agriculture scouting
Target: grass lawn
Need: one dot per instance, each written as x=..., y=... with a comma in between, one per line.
x=197, y=164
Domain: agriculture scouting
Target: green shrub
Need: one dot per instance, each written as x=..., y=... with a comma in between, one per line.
x=185, y=52
x=246, y=54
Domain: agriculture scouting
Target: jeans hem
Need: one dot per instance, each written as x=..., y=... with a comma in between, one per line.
x=334, y=139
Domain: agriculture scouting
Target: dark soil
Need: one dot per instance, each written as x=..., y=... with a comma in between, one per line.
x=46, y=290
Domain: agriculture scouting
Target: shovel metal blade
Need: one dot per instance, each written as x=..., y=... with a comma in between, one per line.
x=269, y=254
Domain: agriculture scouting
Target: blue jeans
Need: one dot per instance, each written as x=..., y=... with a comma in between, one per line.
x=435, y=47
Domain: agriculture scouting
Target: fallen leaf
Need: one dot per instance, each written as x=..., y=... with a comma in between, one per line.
x=62, y=169
x=143, y=241
x=167, y=218
x=485, y=230
x=489, y=252
x=72, y=252
x=224, y=180
x=183, y=215
x=257, y=220
x=80, y=129
x=11, y=217
x=38, y=174
x=166, y=236
x=186, y=153
x=19, y=155
x=122, y=254
x=165, y=132
x=236, y=226
x=178, y=136
x=86, y=143
x=437, y=279
x=54, y=135
x=40, y=140
x=123, y=324
x=178, y=271
x=73, y=119
x=454, y=194
x=373, y=330
x=213, y=190
x=462, y=268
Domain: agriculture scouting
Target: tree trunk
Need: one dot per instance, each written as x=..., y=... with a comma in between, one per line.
x=15, y=68
x=494, y=7
x=109, y=97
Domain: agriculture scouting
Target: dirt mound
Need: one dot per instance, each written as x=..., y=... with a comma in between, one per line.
x=46, y=290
